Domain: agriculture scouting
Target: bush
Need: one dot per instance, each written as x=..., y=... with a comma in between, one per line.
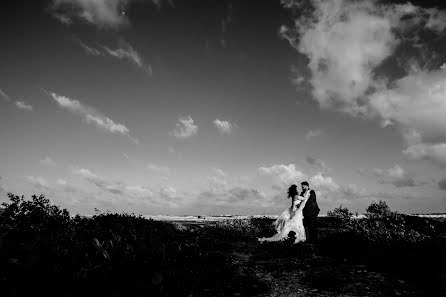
x=341, y=213
x=110, y=255
x=378, y=210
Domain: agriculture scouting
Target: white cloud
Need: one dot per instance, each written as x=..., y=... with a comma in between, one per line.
x=101, y=13
x=23, y=106
x=346, y=42
x=415, y=102
x=4, y=96
x=318, y=163
x=313, y=133
x=116, y=187
x=88, y=49
x=47, y=161
x=168, y=192
x=219, y=172
x=124, y=51
x=282, y=176
x=234, y=198
x=396, y=176
x=2, y=187
x=139, y=191
x=323, y=182
x=127, y=52
x=224, y=127
x=170, y=149
x=158, y=169
x=39, y=182
x=436, y=153
x=61, y=182
x=91, y=116
x=185, y=128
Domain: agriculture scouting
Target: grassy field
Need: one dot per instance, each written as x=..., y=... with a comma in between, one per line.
x=45, y=252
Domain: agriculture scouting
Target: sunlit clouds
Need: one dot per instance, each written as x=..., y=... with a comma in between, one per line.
x=23, y=106
x=100, y=13
x=224, y=127
x=90, y=115
x=185, y=128
x=346, y=42
x=125, y=51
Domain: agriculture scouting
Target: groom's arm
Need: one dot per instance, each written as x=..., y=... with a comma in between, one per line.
x=305, y=196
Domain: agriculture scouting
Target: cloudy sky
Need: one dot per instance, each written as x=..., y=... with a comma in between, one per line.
x=216, y=107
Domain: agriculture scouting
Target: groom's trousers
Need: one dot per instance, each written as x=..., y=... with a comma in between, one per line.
x=310, y=224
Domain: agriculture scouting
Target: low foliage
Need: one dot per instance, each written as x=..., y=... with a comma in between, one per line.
x=378, y=210
x=341, y=213
x=43, y=251
x=388, y=240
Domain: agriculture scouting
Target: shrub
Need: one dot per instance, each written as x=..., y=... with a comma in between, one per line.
x=378, y=210
x=111, y=255
x=341, y=213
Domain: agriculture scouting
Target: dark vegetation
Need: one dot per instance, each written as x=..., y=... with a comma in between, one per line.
x=46, y=252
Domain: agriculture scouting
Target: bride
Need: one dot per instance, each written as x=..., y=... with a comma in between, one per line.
x=292, y=218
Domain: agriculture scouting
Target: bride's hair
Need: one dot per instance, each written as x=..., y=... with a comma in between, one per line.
x=292, y=191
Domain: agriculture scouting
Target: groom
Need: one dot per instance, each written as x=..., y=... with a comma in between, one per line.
x=310, y=212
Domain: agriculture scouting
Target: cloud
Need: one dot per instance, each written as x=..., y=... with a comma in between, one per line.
x=224, y=127
x=415, y=102
x=116, y=187
x=170, y=149
x=219, y=172
x=239, y=196
x=23, y=106
x=318, y=163
x=442, y=184
x=91, y=116
x=61, y=182
x=47, y=161
x=124, y=51
x=313, y=133
x=109, y=186
x=396, y=176
x=88, y=49
x=434, y=152
x=101, y=13
x=282, y=176
x=185, y=128
x=323, y=182
x=348, y=42
x=158, y=169
x=39, y=182
x=2, y=188
x=127, y=52
x=139, y=191
x=168, y=192
x=4, y=96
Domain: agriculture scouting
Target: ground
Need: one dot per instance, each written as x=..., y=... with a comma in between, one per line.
x=304, y=270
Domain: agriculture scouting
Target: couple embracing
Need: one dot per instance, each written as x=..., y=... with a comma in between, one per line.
x=300, y=218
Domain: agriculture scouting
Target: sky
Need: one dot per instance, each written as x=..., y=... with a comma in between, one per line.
x=206, y=107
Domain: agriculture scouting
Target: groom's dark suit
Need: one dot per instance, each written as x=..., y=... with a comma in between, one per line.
x=310, y=213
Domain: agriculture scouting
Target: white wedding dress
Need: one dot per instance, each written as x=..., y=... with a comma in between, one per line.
x=291, y=219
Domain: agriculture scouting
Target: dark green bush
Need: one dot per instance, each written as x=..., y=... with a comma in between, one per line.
x=378, y=210
x=43, y=251
x=341, y=213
